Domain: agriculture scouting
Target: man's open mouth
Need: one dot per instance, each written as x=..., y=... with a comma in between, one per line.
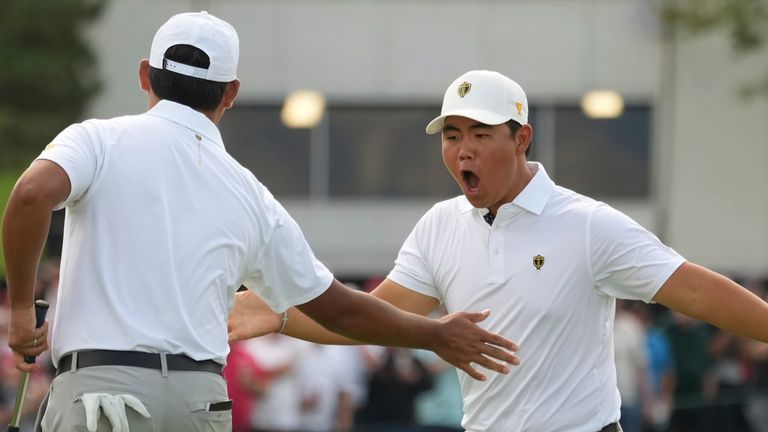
x=471, y=180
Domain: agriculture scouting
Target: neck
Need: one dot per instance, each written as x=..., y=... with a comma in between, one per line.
x=527, y=172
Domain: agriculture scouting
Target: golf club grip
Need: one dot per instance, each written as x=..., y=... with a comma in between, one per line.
x=41, y=309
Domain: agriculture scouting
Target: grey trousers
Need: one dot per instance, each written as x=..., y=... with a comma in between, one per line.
x=176, y=402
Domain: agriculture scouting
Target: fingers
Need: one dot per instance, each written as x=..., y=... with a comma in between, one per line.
x=469, y=347
x=491, y=352
x=472, y=372
x=500, y=341
x=32, y=342
x=476, y=317
x=22, y=365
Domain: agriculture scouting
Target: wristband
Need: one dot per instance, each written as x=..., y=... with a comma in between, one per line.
x=285, y=322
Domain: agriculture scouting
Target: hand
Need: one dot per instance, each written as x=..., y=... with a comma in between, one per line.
x=251, y=317
x=114, y=409
x=25, y=339
x=461, y=342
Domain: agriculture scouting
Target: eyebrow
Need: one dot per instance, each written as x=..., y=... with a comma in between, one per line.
x=477, y=125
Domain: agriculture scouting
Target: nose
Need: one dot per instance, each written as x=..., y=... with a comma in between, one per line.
x=466, y=150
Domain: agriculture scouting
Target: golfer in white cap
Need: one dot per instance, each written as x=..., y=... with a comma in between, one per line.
x=162, y=227
x=548, y=261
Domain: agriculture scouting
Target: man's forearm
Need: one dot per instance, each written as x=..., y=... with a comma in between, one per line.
x=25, y=228
x=361, y=317
x=300, y=326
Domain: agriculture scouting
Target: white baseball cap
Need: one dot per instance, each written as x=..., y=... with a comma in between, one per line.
x=215, y=37
x=486, y=96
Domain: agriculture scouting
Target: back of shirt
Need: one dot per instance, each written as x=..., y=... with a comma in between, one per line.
x=162, y=227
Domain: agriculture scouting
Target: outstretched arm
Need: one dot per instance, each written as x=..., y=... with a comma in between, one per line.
x=251, y=317
x=344, y=316
x=703, y=294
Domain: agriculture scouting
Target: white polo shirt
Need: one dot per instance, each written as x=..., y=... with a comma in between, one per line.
x=162, y=226
x=549, y=269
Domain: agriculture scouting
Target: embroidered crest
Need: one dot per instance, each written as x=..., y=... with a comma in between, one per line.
x=538, y=262
x=519, y=107
x=464, y=88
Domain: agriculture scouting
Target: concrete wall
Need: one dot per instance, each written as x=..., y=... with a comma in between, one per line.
x=717, y=177
x=710, y=178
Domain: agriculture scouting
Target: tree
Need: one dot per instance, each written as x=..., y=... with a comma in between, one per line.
x=746, y=22
x=48, y=73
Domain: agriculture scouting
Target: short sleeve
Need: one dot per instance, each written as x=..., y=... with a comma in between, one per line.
x=627, y=260
x=75, y=151
x=287, y=272
x=411, y=268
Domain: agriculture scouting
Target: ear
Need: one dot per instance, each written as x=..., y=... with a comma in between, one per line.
x=523, y=138
x=144, y=75
x=230, y=93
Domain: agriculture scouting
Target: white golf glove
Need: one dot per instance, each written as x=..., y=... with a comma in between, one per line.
x=113, y=407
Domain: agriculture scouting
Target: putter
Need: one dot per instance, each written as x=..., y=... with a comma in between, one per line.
x=41, y=308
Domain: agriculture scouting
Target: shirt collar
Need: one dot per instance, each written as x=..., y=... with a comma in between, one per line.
x=189, y=118
x=533, y=198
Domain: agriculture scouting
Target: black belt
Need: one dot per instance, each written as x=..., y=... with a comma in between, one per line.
x=174, y=362
x=613, y=427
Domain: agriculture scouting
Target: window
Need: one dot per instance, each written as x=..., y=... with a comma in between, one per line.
x=277, y=156
x=383, y=151
x=603, y=158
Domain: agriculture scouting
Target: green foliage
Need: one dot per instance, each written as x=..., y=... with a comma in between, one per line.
x=746, y=22
x=48, y=76
x=7, y=180
x=48, y=73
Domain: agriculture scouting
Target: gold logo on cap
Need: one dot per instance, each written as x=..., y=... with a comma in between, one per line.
x=519, y=107
x=538, y=262
x=464, y=88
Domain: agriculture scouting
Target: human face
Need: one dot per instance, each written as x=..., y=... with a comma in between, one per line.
x=487, y=162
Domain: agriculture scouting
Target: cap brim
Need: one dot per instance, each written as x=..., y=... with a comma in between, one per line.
x=483, y=116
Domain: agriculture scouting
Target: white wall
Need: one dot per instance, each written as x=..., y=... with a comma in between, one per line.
x=711, y=148
x=400, y=50
x=718, y=149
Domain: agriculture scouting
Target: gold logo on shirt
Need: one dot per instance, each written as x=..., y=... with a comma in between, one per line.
x=538, y=262
x=51, y=145
x=464, y=88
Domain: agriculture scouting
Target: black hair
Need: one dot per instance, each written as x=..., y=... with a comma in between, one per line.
x=196, y=93
x=513, y=128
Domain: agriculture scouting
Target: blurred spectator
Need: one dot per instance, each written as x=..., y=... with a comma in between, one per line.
x=661, y=371
x=246, y=381
x=757, y=352
x=732, y=369
x=631, y=358
x=695, y=380
x=440, y=408
x=392, y=392
x=279, y=408
x=326, y=402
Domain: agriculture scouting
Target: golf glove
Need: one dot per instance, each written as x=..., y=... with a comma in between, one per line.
x=113, y=406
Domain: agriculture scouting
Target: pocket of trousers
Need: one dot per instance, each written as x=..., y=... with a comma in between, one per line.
x=212, y=411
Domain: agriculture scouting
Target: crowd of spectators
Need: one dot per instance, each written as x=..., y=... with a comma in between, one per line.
x=674, y=374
